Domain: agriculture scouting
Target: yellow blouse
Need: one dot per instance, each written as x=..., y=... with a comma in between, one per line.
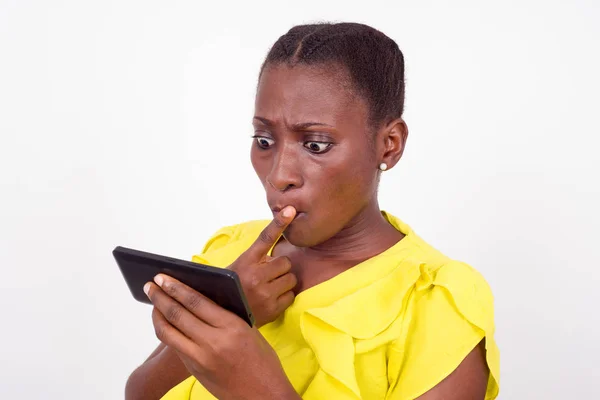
x=390, y=328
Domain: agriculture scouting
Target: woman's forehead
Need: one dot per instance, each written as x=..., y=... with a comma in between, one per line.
x=306, y=92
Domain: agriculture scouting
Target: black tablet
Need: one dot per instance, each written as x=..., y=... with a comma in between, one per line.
x=218, y=284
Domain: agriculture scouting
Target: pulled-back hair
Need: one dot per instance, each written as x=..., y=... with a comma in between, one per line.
x=374, y=62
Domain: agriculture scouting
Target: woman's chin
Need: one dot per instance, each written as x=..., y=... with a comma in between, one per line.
x=299, y=232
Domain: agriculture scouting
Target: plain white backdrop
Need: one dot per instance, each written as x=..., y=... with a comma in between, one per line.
x=129, y=123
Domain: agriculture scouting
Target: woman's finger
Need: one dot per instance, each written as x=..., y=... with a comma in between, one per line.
x=269, y=236
x=284, y=283
x=177, y=315
x=284, y=301
x=172, y=337
x=275, y=267
x=195, y=303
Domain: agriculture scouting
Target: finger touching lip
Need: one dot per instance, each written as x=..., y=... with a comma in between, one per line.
x=298, y=214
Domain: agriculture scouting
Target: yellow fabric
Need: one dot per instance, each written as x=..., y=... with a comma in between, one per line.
x=391, y=327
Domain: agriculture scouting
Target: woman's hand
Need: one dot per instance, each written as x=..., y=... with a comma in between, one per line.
x=267, y=281
x=230, y=359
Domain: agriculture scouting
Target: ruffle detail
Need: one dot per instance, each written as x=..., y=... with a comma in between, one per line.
x=335, y=335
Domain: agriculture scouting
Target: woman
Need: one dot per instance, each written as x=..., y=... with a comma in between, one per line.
x=350, y=303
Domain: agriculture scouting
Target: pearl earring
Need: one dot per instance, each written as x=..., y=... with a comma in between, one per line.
x=383, y=166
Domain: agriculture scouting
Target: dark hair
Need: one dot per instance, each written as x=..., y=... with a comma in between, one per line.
x=373, y=60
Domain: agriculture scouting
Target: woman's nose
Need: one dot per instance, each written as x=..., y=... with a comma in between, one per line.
x=285, y=172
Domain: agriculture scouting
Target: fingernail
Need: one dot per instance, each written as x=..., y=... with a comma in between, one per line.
x=159, y=280
x=288, y=212
x=147, y=288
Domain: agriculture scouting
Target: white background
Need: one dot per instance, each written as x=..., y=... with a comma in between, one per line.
x=128, y=123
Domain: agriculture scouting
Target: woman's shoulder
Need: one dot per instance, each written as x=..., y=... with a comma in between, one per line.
x=229, y=242
x=438, y=269
x=445, y=309
x=458, y=292
x=451, y=310
x=442, y=280
x=245, y=231
x=463, y=283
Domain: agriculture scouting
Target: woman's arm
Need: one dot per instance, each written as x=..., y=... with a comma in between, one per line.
x=162, y=371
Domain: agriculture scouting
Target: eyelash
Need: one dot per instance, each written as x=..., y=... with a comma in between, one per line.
x=325, y=150
x=258, y=138
x=328, y=145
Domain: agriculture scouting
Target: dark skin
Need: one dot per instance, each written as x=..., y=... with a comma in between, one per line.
x=317, y=156
x=328, y=170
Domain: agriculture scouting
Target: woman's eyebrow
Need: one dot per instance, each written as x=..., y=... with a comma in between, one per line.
x=263, y=120
x=304, y=125
x=298, y=126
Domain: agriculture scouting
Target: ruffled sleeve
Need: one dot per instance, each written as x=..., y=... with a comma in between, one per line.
x=450, y=313
x=228, y=243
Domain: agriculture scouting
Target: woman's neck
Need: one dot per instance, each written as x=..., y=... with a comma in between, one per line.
x=365, y=236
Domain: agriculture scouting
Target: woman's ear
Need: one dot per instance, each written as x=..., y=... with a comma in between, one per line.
x=393, y=137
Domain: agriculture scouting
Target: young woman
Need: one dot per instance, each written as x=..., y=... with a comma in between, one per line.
x=350, y=303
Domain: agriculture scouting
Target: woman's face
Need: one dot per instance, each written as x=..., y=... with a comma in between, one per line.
x=313, y=150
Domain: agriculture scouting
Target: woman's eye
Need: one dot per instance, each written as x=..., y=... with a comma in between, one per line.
x=264, y=142
x=317, y=147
